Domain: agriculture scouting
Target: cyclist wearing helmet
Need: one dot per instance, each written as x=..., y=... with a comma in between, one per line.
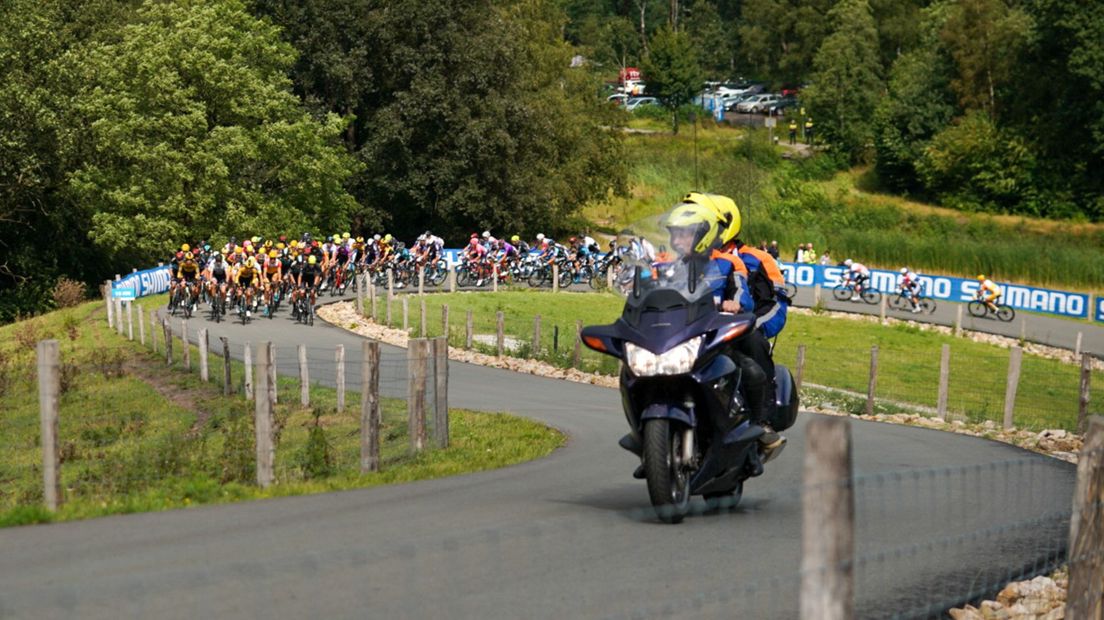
x=244, y=277
x=521, y=245
x=988, y=291
x=188, y=271
x=910, y=284
x=857, y=274
x=216, y=275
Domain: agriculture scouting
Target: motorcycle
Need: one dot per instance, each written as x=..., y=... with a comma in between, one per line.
x=683, y=393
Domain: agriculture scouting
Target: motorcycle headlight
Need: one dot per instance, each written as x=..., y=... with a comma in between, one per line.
x=676, y=361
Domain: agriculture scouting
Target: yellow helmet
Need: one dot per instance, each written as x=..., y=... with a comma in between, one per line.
x=280, y=245
x=981, y=278
x=698, y=217
x=312, y=259
x=345, y=235
x=293, y=244
x=273, y=253
x=728, y=215
x=251, y=262
x=185, y=247
x=387, y=238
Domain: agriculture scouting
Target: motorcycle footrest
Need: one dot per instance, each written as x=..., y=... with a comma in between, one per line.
x=630, y=443
x=769, y=454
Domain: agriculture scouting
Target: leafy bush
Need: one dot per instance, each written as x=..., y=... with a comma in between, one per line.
x=237, y=463
x=316, y=459
x=68, y=293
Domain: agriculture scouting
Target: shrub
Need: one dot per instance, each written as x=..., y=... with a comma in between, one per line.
x=237, y=463
x=68, y=293
x=316, y=459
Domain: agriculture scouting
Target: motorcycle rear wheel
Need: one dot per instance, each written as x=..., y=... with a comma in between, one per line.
x=668, y=479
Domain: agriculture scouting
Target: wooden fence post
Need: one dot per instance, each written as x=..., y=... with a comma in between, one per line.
x=262, y=420
x=555, y=277
x=800, y=370
x=153, y=329
x=359, y=295
x=304, y=377
x=339, y=379
x=872, y=385
x=958, y=320
x=184, y=344
x=204, y=375
x=1077, y=346
x=49, y=389
x=421, y=282
x=468, y=331
x=1014, y=359
x=577, y=358
x=816, y=295
x=247, y=378
x=141, y=325
x=882, y=310
x=422, y=317
x=452, y=279
x=390, y=284
x=1023, y=329
x=494, y=277
x=1085, y=599
x=369, y=407
x=827, y=523
x=609, y=277
x=119, y=316
x=406, y=314
x=225, y=366
x=944, y=381
x=130, y=320
x=536, y=348
x=500, y=333
x=1083, y=399
x=440, y=391
x=272, y=384
x=168, y=342
x=417, y=350
x=445, y=320
x=371, y=296
x=109, y=301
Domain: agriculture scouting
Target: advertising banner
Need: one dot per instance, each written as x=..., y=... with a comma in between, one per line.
x=1020, y=297
x=146, y=282
x=1100, y=308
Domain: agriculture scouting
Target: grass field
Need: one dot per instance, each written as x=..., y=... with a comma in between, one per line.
x=810, y=201
x=137, y=436
x=837, y=354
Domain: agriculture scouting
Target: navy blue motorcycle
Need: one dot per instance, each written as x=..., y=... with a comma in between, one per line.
x=683, y=394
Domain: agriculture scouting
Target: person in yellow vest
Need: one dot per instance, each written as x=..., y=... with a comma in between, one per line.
x=809, y=130
x=793, y=131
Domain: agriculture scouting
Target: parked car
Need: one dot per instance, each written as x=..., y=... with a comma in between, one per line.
x=731, y=102
x=618, y=98
x=779, y=107
x=756, y=103
x=637, y=102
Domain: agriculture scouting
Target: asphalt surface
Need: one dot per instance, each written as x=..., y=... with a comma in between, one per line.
x=939, y=516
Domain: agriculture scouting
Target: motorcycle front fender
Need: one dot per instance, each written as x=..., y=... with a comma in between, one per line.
x=670, y=412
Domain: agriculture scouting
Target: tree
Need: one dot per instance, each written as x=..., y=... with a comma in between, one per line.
x=985, y=39
x=671, y=70
x=188, y=128
x=779, y=38
x=708, y=33
x=846, y=84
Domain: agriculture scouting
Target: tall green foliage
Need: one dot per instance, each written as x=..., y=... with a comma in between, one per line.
x=847, y=84
x=672, y=71
x=985, y=39
x=779, y=38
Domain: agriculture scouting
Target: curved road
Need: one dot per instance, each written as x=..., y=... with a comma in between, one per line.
x=571, y=535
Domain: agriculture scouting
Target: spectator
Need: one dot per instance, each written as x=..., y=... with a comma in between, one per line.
x=809, y=130
x=825, y=259
x=793, y=131
x=763, y=245
x=799, y=255
x=810, y=254
x=773, y=250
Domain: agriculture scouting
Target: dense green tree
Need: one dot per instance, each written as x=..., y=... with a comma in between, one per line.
x=779, y=38
x=193, y=131
x=472, y=116
x=709, y=35
x=846, y=84
x=918, y=105
x=671, y=70
x=985, y=38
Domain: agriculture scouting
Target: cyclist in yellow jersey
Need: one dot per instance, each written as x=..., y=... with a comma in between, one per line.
x=989, y=292
x=245, y=275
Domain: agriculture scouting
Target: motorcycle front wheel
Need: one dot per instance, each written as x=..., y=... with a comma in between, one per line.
x=668, y=477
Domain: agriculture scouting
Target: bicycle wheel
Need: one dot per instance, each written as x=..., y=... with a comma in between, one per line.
x=791, y=290
x=842, y=292
x=536, y=279
x=899, y=302
x=977, y=308
x=871, y=296
x=566, y=276
x=927, y=305
x=1005, y=313
x=463, y=278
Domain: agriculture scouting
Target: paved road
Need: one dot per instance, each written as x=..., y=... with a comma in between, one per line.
x=570, y=535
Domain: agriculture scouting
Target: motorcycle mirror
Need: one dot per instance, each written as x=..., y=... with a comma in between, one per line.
x=636, y=282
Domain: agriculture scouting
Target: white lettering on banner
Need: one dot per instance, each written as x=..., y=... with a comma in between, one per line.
x=969, y=290
x=936, y=287
x=1100, y=309
x=805, y=276
x=883, y=280
x=833, y=276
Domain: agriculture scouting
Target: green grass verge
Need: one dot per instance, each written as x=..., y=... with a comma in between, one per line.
x=128, y=446
x=837, y=354
x=810, y=201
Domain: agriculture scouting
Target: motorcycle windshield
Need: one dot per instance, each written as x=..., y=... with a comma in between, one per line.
x=665, y=298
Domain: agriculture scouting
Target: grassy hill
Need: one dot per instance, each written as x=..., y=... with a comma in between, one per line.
x=802, y=201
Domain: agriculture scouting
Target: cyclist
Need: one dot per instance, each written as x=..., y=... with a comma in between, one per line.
x=309, y=278
x=857, y=274
x=341, y=260
x=521, y=245
x=244, y=276
x=273, y=275
x=988, y=291
x=187, y=271
x=473, y=255
x=910, y=285
x=505, y=255
x=216, y=275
